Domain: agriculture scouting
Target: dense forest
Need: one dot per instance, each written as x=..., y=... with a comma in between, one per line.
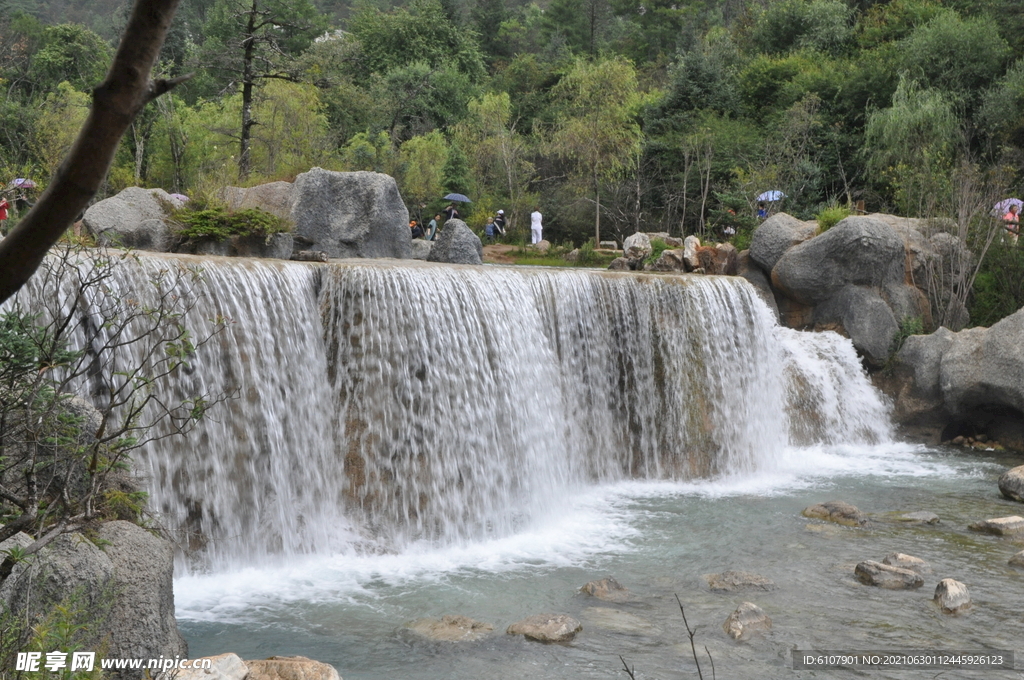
x=614, y=115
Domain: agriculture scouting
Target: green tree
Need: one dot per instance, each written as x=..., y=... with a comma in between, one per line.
x=422, y=161
x=456, y=171
x=252, y=41
x=62, y=114
x=1002, y=111
x=70, y=53
x=823, y=25
x=597, y=131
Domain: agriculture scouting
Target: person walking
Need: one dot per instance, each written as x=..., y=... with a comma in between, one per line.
x=536, y=226
x=4, y=205
x=432, y=227
x=1011, y=222
x=499, y=223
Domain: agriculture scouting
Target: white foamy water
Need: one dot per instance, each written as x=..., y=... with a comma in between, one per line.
x=401, y=408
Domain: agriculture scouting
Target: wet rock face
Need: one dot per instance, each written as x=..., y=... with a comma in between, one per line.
x=952, y=596
x=839, y=512
x=457, y=245
x=546, y=628
x=873, y=573
x=746, y=621
x=776, y=235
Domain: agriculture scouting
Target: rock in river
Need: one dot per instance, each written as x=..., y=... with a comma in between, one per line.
x=1011, y=484
x=546, y=628
x=451, y=628
x=745, y=621
x=910, y=562
x=1000, y=526
x=836, y=511
x=952, y=596
x=606, y=589
x=731, y=581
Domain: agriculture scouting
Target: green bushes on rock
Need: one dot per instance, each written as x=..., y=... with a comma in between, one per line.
x=216, y=223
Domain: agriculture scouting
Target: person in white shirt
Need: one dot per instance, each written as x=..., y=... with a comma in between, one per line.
x=536, y=227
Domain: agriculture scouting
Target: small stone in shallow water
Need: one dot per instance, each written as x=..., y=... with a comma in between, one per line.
x=952, y=596
x=921, y=517
x=546, y=628
x=836, y=511
x=606, y=589
x=903, y=561
x=873, y=573
x=730, y=581
x=1000, y=526
x=1017, y=560
x=451, y=628
x=290, y=668
x=619, y=621
x=745, y=621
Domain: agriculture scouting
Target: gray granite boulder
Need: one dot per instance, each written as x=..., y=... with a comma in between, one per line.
x=1011, y=484
x=952, y=596
x=668, y=261
x=276, y=198
x=141, y=621
x=776, y=235
x=873, y=573
x=70, y=565
x=985, y=367
x=859, y=250
x=620, y=264
x=863, y=316
x=134, y=218
x=351, y=214
x=456, y=245
x=746, y=621
x=637, y=247
x=420, y=249
x=690, y=245
x=746, y=268
x=546, y=628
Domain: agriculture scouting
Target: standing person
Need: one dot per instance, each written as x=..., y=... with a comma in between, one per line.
x=4, y=205
x=1011, y=222
x=762, y=211
x=499, y=223
x=451, y=212
x=415, y=229
x=489, y=229
x=432, y=227
x=536, y=226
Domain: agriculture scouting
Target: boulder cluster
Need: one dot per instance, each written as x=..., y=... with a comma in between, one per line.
x=332, y=215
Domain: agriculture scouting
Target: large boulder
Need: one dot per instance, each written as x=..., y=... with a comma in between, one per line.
x=1011, y=484
x=457, y=245
x=746, y=268
x=141, y=620
x=351, y=214
x=420, y=249
x=134, y=218
x=276, y=198
x=859, y=251
x=861, y=314
x=668, y=261
x=127, y=586
x=637, y=247
x=985, y=367
x=776, y=235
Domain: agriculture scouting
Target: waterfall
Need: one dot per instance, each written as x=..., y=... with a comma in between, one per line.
x=382, y=403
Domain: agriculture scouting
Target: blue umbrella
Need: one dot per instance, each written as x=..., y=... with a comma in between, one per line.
x=1003, y=206
x=22, y=183
x=771, y=196
x=457, y=197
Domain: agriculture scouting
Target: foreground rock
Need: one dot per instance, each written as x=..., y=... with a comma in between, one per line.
x=451, y=628
x=860, y=313
x=637, y=248
x=134, y=565
x=134, y=218
x=1000, y=526
x=747, y=620
x=290, y=668
x=607, y=589
x=915, y=564
x=836, y=511
x=457, y=245
x=1011, y=484
x=1017, y=560
x=732, y=581
x=873, y=573
x=420, y=249
x=351, y=214
x=223, y=667
x=971, y=381
x=952, y=596
x=547, y=628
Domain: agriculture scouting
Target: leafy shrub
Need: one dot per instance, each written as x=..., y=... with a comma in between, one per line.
x=217, y=223
x=657, y=248
x=999, y=287
x=830, y=217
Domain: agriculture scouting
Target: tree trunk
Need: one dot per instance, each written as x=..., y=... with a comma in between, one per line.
x=244, y=156
x=116, y=101
x=597, y=213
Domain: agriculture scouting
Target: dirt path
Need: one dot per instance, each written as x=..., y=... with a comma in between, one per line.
x=499, y=253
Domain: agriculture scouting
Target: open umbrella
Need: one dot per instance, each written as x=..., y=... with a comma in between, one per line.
x=457, y=197
x=1003, y=206
x=22, y=183
x=771, y=196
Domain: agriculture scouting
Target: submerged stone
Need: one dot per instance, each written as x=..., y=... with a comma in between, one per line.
x=1000, y=526
x=839, y=512
x=747, y=620
x=731, y=581
x=451, y=628
x=915, y=564
x=873, y=573
x=606, y=589
x=546, y=628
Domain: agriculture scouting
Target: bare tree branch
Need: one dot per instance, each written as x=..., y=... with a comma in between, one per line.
x=116, y=101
